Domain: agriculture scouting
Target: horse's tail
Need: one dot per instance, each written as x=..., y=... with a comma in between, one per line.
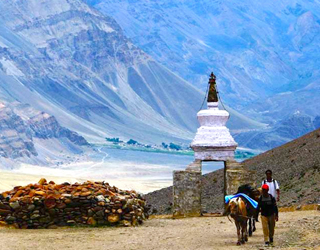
x=229, y=218
x=227, y=210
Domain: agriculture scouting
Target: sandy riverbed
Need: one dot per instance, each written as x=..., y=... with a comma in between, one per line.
x=295, y=230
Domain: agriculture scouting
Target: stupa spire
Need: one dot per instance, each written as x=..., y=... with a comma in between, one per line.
x=213, y=94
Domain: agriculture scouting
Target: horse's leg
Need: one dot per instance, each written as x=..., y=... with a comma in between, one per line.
x=254, y=225
x=250, y=226
x=242, y=236
x=246, y=231
x=243, y=232
x=238, y=233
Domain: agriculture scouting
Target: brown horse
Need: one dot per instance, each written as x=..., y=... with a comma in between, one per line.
x=236, y=208
x=254, y=194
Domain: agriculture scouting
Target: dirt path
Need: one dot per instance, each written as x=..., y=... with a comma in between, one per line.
x=295, y=230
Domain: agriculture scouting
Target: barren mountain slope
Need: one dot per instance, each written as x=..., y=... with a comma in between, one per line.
x=296, y=165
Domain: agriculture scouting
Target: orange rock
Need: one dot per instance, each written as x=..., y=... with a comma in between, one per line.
x=14, y=199
x=50, y=197
x=5, y=194
x=42, y=181
x=26, y=200
x=57, y=187
x=32, y=192
x=134, y=222
x=19, y=193
x=67, y=201
x=42, y=193
x=49, y=192
x=54, y=195
x=50, y=203
x=3, y=224
x=16, y=188
x=85, y=193
x=113, y=218
x=125, y=223
x=91, y=221
x=61, y=205
x=110, y=193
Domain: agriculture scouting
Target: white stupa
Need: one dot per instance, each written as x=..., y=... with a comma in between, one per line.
x=213, y=141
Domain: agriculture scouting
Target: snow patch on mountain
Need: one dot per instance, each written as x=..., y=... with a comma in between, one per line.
x=10, y=68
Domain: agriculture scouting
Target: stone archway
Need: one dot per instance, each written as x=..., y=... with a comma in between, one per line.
x=187, y=186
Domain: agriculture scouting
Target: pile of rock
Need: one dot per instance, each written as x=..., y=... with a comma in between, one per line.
x=48, y=205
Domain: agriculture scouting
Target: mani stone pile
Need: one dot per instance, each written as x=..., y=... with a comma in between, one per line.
x=49, y=205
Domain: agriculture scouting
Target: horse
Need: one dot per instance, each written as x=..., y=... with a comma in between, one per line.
x=236, y=208
x=251, y=211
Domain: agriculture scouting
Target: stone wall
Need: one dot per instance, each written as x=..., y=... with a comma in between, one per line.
x=236, y=175
x=47, y=205
x=186, y=193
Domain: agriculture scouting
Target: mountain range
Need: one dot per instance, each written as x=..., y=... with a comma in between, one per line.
x=139, y=69
x=75, y=63
x=265, y=54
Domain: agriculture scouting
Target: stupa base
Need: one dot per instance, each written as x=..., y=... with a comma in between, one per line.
x=214, y=155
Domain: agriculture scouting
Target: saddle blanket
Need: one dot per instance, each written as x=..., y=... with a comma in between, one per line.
x=252, y=202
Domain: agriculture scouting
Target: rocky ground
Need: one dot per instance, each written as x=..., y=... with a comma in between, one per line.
x=295, y=230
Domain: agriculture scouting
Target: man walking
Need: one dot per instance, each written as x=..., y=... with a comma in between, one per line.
x=269, y=214
x=273, y=185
